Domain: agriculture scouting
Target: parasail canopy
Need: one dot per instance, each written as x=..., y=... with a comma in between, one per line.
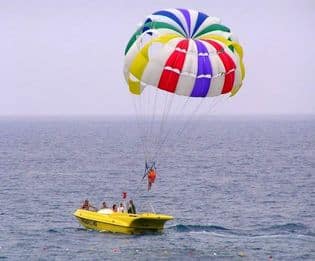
x=184, y=52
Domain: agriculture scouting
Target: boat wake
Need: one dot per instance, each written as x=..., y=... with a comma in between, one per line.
x=270, y=231
x=197, y=228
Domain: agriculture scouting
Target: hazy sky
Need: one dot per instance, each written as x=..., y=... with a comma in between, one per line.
x=66, y=57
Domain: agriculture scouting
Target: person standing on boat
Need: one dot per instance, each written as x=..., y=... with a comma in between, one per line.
x=131, y=207
x=115, y=208
x=121, y=208
x=104, y=205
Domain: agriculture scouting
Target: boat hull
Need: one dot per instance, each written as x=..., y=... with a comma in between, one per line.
x=122, y=222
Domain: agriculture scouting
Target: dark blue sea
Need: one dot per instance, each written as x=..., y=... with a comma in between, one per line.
x=240, y=188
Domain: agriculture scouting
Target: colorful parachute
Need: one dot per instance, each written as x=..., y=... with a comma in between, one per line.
x=195, y=56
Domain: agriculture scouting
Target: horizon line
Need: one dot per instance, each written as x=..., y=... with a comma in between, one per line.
x=135, y=115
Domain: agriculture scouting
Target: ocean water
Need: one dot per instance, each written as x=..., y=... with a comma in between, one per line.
x=240, y=188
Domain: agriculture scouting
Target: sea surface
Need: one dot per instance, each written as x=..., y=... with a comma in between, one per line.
x=240, y=188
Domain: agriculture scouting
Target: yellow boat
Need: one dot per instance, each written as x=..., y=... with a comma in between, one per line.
x=107, y=221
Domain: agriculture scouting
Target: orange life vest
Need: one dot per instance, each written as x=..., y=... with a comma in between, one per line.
x=151, y=176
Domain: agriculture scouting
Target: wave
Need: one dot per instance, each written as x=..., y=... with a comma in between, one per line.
x=52, y=230
x=273, y=230
x=289, y=228
x=197, y=228
x=276, y=230
x=65, y=229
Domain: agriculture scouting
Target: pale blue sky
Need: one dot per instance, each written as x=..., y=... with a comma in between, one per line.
x=66, y=57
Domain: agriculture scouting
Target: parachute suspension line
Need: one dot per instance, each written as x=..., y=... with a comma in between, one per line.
x=142, y=134
x=217, y=101
x=179, y=132
x=167, y=106
x=213, y=102
x=147, y=128
x=158, y=148
x=142, y=111
x=166, y=110
x=152, y=208
x=136, y=101
x=166, y=97
x=197, y=119
x=146, y=100
x=211, y=106
x=144, y=126
x=148, y=122
x=180, y=111
x=152, y=123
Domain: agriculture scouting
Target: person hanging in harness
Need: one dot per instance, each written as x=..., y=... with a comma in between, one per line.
x=151, y=177
x=151, y=173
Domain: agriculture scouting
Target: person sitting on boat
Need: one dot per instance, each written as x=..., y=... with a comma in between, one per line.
x=131, y=207
x=104, y=209
x=115, y=208
x=121, y=208
x=104, y=205
x=87, y=206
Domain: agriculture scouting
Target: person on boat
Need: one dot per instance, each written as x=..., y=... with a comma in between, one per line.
x=131, y=207
x=121, y=208
x=103, y=205
x=115, y=208
x=87, y=206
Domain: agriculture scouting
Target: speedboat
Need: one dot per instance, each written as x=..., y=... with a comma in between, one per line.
x=105, y=220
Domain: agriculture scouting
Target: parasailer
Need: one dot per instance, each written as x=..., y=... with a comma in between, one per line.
x=150, y=173
x=151, y=177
